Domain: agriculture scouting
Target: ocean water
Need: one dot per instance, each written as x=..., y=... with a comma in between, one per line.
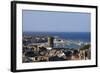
x=75, y=36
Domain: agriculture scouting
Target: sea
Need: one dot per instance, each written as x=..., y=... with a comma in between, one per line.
x=74, y=36
x=81, y=36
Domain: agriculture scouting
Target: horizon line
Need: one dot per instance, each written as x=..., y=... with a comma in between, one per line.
x=47, y=31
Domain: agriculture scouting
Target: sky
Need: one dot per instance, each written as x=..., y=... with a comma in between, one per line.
x=51, y=21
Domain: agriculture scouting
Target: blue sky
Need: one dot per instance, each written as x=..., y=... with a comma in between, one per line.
x=40, y=21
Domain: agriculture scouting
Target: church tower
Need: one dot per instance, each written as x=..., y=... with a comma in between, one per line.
x=50, y=41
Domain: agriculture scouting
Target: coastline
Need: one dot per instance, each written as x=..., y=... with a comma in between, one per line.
x=47, y=47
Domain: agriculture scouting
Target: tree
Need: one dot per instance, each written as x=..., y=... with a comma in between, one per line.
x=85, y=47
